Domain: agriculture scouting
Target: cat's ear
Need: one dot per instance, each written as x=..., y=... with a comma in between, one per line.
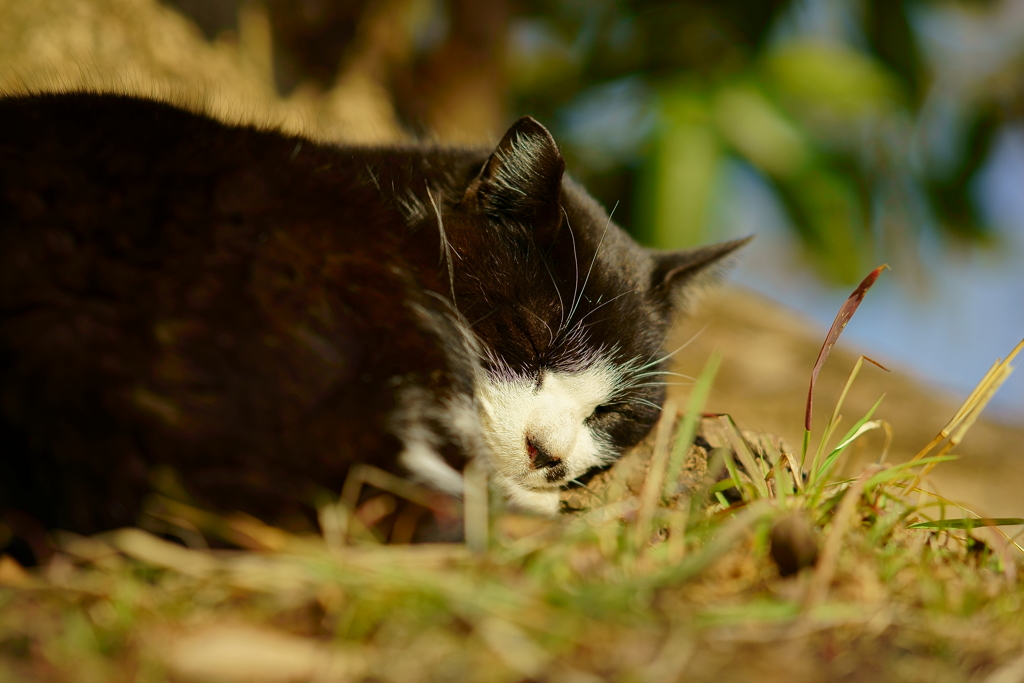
x=679, y=277
x=521, y=179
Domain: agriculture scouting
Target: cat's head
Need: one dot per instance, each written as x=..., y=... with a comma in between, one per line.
x=571, y=313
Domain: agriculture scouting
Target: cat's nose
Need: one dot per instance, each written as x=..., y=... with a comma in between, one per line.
x=539, y=458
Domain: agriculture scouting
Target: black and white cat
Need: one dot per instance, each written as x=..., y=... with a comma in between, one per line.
x=259, y=312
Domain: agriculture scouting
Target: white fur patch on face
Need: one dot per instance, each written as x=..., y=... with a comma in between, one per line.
x=537, y=434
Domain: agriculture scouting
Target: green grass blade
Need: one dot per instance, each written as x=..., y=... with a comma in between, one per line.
x=688, y=428
x=746, y=458
x=967, y=523
x=897, y=471
x=855, y=431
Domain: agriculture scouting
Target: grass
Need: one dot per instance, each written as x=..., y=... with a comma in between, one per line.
x=885, y=582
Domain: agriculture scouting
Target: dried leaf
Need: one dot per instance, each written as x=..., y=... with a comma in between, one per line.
x=846, y=312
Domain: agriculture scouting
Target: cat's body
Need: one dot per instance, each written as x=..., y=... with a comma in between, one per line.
x=259, y=312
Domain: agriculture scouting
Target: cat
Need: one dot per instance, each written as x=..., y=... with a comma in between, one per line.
x=258, y=312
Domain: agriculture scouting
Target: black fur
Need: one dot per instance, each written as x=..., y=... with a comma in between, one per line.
x=254, y=309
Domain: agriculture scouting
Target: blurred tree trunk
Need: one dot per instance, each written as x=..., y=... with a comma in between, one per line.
x=457, y=90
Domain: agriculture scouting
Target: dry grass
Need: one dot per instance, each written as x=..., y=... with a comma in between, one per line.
x=664, y=585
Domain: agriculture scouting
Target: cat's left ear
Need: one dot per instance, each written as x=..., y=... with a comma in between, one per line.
x=679, y=277
x=520, y=181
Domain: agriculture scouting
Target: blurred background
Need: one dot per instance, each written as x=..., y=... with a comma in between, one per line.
x=844, y=133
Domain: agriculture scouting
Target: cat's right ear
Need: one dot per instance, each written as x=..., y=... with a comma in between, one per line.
x=521, y=180
x=680, y=277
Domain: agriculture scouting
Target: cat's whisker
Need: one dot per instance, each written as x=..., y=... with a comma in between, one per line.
x=579, y=322
x=551, y=336
x=664, y=358
x=373, y=176
x=579, y=483
x=645, y=402
x=590, y=270
x=576, y=262
x=639, y=365
x=561, y=305
x=573, y=340
x=484, y=317
x=665, y=372
x=446, y=247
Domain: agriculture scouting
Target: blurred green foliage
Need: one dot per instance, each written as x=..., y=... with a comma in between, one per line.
x=838, y=122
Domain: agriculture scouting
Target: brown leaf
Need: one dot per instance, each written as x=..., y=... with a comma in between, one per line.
x=846, y=312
